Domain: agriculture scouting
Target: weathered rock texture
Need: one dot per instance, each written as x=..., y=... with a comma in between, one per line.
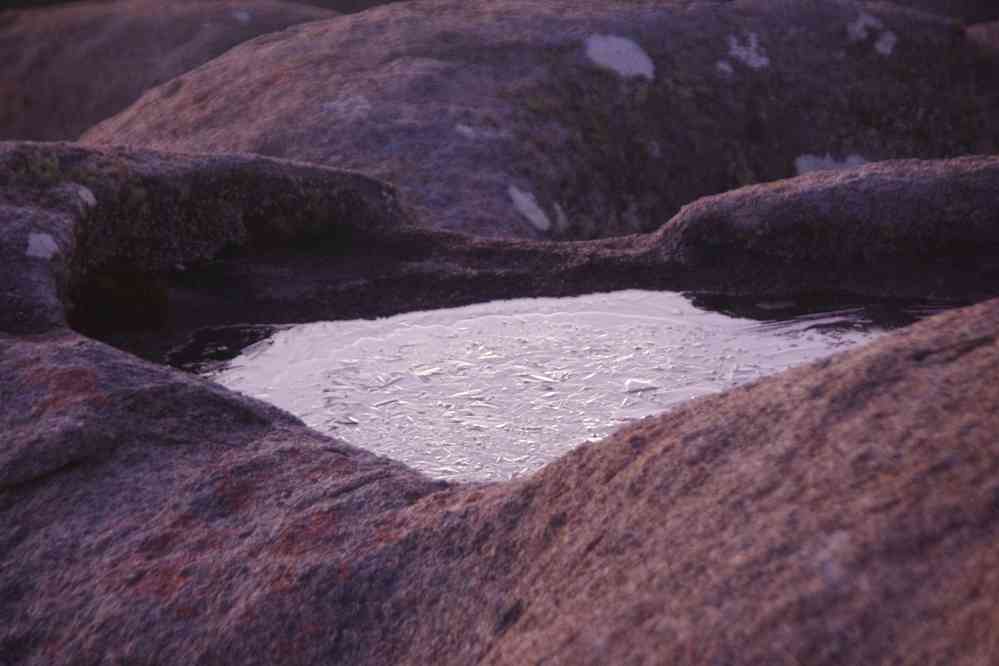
x=868, y=230
x=584, y=118
x=966, y=11
x=987, y=36
x=66, y=68
x=181, y=242
x=841, y=513
x=345, y=6
x=83, y=228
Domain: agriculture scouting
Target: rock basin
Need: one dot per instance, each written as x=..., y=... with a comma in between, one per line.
x=496, y=390
x=845, y=512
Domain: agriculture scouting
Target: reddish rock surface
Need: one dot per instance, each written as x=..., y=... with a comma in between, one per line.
x=344, y=6
x=845, y=512
x=84, y=227
x=867, y=230
x=987, y=36
x=66, y=68
x=347, y=6
x=182, y=242
x=582, y=119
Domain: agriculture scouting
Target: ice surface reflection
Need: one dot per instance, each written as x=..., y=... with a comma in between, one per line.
x=490, y=391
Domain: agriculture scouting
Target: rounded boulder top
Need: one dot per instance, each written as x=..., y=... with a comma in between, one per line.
x=68, y=67
x=582, y=119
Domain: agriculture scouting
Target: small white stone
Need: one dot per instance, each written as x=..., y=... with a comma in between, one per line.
x=886, y=43
x=621, y=55
x=527, y=205
x=41, y=246
x=724, y=67
x=87, y=196
x=751, y=53
x=809, y=163
x=466, y=131
x=860, y=29
x=639, y=386
x=242, y=16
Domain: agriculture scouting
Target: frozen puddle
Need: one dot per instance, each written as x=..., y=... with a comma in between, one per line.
x=490, y=391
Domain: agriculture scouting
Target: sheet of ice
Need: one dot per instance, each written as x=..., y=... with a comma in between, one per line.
x=490, y=391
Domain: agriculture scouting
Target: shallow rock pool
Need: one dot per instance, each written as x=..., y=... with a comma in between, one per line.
x=496, y=390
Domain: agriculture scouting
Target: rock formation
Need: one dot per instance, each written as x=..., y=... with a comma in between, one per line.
x=965, y=11
x=79, y=221
x=986, y=35
x=580, y=119
x=346, y=6
x=66, y=68
x=895, y=228
x=845, y=512
x=183, y=242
